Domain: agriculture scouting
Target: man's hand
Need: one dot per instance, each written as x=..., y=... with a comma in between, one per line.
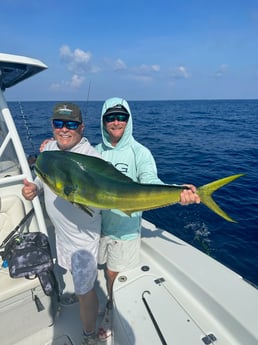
x=29, y=190
x=189, y=196
x=44, y=143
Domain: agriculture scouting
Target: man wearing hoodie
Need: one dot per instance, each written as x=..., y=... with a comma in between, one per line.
x=120, y=234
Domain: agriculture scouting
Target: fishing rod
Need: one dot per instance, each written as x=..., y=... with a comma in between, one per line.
x=87, y=100
x=31, y=157
x=27, y=126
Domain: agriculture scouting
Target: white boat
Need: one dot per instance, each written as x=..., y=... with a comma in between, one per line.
x=176, y=296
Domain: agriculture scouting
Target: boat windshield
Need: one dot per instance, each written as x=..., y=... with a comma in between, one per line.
x=9, y=163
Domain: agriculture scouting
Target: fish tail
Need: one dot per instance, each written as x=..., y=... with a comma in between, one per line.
x=205, y=192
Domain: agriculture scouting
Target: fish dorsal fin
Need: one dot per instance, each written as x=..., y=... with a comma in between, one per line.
x=113, y=174
x=99, y=167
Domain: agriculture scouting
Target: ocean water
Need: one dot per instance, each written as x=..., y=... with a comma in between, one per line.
x=192, y=142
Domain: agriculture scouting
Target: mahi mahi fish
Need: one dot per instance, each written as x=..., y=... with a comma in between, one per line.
x=92, y=182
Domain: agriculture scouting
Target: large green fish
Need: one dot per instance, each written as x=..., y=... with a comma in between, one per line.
x=92, y=182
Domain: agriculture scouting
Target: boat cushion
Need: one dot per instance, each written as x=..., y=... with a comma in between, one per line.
x=11, y=213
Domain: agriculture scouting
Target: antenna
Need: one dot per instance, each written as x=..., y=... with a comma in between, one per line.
x=87, y=100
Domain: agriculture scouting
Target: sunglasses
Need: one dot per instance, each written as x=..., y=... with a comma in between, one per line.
x=118, y=117
x=68, y=124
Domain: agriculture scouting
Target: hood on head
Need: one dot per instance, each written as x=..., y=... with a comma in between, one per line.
x=110, y=106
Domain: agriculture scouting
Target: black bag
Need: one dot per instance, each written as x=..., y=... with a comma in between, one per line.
x=28, y=255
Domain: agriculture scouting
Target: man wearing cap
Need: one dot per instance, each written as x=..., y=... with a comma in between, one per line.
x=77, y=233
x=120, y=234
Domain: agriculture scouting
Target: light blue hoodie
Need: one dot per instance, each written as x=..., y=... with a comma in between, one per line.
x=132, y=159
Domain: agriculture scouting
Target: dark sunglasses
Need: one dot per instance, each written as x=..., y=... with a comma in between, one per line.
x=118, y=117
x=68, y=124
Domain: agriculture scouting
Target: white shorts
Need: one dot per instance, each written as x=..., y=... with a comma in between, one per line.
x=119, y=255
x=82, y=263
x=84, y=271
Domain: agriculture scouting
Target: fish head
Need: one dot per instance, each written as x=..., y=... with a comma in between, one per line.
x=50, y=170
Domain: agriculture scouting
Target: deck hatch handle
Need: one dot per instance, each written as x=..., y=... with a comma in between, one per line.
x=159, y=280
x=162, y=339
x=209, y=339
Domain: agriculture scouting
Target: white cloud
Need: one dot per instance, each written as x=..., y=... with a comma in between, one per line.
x=144, y=73
x=114, y=65
x=155, y=68
x=55, y=87
x=119, y=65
x=222, y=69
x=65, y=51
x=147, y=68
x=77, y=61
x=76, y=81
x=141, y=78
x=180, y=72
x=73, y=84
x=80, y=63
x=78, y=56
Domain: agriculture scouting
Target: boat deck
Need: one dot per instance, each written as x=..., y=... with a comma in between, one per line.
x=67, y=329
x=162, y=301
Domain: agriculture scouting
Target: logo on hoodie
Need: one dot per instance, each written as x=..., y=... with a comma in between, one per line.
x=122, y=167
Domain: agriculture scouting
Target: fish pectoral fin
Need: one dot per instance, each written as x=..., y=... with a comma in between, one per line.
x=84, y=208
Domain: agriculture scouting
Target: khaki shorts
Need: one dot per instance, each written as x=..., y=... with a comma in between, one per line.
x=119, y=255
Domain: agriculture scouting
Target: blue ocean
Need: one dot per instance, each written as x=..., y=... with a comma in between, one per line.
x=192, y=142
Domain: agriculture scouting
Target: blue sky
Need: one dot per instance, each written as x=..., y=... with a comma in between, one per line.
x=139, y=50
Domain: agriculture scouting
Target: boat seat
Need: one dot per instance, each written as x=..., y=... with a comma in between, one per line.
x=11, y=287
x=9, y=168
x=12, y=212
